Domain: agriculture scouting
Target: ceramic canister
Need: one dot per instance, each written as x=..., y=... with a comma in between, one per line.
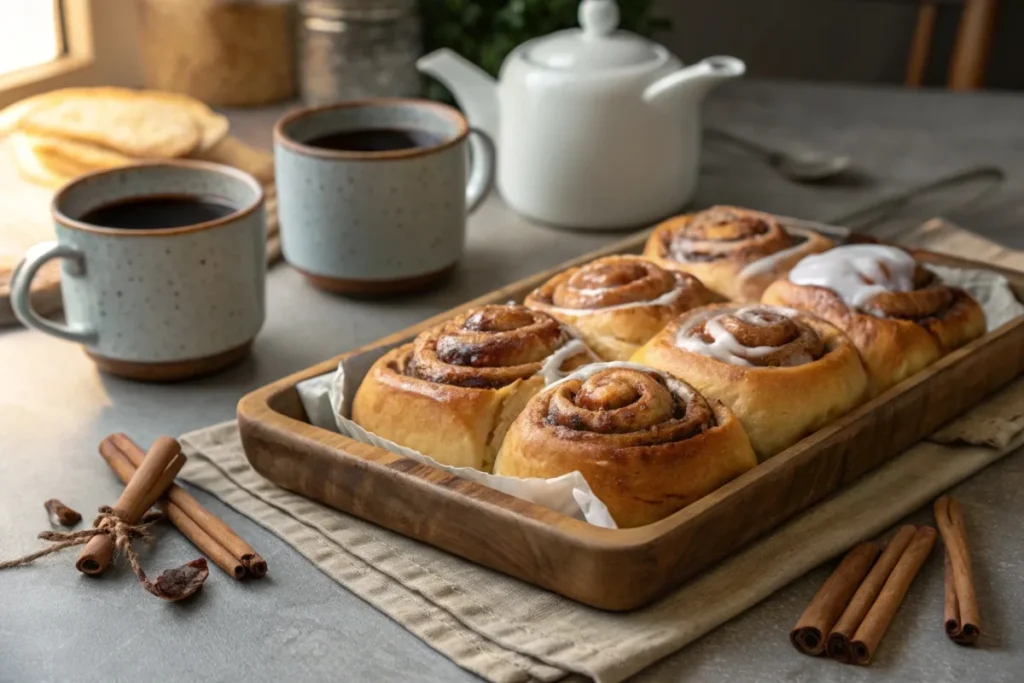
x=385, y=220
x=156, y=304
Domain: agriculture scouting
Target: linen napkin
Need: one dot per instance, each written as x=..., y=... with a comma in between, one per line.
x=507, y=631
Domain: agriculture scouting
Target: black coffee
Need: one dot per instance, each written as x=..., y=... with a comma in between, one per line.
x=376, y=140
x=158, y=213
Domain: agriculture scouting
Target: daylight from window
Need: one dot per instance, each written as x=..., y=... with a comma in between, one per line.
x=29, y=34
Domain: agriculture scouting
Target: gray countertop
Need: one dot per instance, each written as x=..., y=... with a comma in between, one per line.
x=56, y=625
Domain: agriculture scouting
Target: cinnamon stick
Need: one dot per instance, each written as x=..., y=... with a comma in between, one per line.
x=206, y=531
x=808, y=636
x=124, y=470
x=159, y=467
x=963, y=622
x=876, y=622
x=951, y=610
x=838, y=645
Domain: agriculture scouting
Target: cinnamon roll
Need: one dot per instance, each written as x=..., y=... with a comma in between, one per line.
x=617, y=303
x=899, y=315
x=452, y=393
x=785, y=374
x=736, y=252
x=647, y=443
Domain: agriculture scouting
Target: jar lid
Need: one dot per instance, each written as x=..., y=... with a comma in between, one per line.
x=596, y=45
x=371, y=10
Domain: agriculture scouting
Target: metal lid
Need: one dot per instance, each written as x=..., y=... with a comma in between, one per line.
x=367, y=10
x=596, y=46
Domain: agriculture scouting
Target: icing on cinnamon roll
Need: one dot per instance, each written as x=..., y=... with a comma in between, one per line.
x=782, y=372
x=734, y=251
x=752, y=336
x=884, y=281
x=900, y=316
x=617, y=303
x=858, y=272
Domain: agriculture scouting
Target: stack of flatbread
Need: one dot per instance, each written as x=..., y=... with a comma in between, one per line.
x=53, y=137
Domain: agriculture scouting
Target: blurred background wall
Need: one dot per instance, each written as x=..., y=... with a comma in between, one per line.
x=864, y=41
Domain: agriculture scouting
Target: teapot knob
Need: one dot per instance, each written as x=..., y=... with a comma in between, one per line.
x=598, y=17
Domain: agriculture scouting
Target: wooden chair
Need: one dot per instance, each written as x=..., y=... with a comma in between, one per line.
x=970, y=51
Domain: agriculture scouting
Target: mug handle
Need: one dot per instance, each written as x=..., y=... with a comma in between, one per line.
x=481, y=172
x=21, y=291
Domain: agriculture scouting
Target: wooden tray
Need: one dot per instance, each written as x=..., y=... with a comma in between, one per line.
x=614, y=569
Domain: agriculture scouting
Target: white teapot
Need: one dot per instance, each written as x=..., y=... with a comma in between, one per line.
x=596, y=127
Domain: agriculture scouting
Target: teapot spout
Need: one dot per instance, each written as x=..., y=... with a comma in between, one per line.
x=473, y=88
x=695, y=80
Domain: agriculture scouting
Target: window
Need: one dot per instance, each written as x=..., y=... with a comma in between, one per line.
x=47, y=44
x=31, y=34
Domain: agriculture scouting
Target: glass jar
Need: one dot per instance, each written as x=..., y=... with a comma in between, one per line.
x=224, y=52
x=354, y=49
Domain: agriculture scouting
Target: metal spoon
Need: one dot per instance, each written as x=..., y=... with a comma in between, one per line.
x=854, y=225
x=800, y=167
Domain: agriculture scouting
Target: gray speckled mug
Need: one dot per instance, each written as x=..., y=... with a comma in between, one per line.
x=379, y=221
x=155, y=304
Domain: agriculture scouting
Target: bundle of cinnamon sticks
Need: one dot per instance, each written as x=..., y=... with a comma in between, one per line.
x=211, y=536
x=853, y=609
x=149, y=480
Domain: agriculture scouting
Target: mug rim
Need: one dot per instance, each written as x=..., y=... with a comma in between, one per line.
x=282, y=138
x=75, y=224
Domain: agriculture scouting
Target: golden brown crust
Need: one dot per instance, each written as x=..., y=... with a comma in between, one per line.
x=606, y=301
x=452, y=393
x=734, y=251
x=647, y=445
x=904, y=331
x=792, y=374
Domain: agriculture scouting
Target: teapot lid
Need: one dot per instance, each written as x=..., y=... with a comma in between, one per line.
x=596, y=46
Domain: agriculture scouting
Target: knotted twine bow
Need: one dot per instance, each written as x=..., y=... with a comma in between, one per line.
x=173, y=584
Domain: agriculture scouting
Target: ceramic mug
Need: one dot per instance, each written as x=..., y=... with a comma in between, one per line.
x=162, y=303
x=360, y=215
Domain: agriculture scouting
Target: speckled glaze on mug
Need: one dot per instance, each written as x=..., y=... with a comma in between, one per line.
x=378, y=222
x=162, y=304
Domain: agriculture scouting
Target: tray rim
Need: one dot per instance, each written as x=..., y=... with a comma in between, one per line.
x=255, y=410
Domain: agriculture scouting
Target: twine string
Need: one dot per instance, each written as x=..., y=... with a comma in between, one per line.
x=107, y=523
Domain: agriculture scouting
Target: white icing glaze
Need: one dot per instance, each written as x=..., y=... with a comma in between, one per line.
x=855, y=272
x=724, y=346
x=767, y=263
x=665, y=299
x=551, y=370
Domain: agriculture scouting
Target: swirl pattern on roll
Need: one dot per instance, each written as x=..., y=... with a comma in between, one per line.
x=618, y=281
x=630, y=404
x=727, y=232
x=752, y=336
x=882, y=281
x=487, y=348
x=647, y=443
